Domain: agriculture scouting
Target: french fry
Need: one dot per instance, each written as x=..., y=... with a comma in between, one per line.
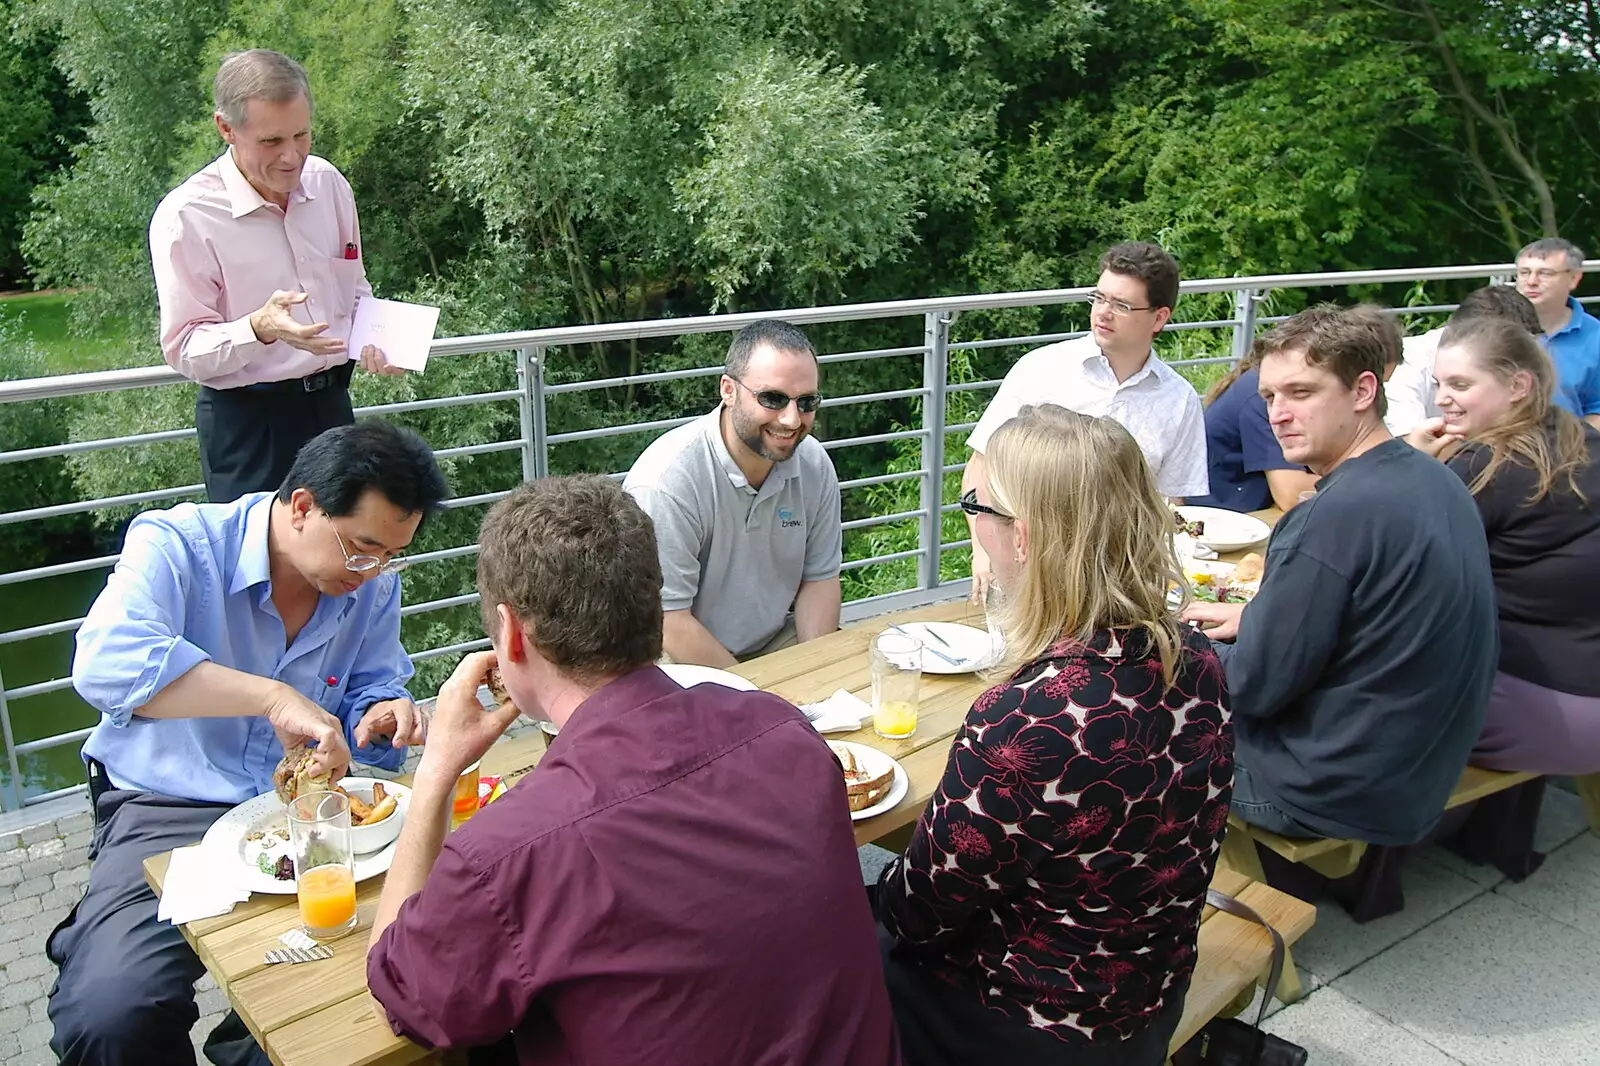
x=377, y=793
x=380, y=811
x=359, y=809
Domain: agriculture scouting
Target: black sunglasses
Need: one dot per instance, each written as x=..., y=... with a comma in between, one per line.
x=773, y=400
x=969, y=504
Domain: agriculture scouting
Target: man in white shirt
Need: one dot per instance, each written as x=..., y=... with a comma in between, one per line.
x=1111, y=373
x=1411, y=388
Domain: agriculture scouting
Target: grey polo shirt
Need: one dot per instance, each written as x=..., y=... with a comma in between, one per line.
x=734, y=555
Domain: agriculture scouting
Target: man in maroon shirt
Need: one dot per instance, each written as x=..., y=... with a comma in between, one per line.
x=675, y=883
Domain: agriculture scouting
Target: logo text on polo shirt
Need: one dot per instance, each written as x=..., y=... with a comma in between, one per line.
x=786, y=518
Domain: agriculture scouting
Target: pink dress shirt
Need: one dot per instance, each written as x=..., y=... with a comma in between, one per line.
x=220, y=250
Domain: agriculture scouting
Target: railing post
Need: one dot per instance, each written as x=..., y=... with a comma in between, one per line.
x=1244, y=322
x=530, y=409
x=10, y=797
x=935, y=378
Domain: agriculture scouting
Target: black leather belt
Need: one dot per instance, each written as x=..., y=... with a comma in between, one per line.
x=337, y=377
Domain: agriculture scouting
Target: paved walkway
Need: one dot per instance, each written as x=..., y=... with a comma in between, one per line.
x=1476, y=971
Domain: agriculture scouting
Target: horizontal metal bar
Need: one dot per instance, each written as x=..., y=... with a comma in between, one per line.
x=429, y=405
x=950, y=546
x=438, y=605
x=37, y=513
x=857, y=564
x=58, y=685
x=99, y=562
x=54, y=742
x=442, y=553
x=479, y=449
x=474, y=501
x=971, y=386
x=875, y=438
x=712, y=371
x=60, y=793
x=17, y=636
x=144, y=377
x=450, y=649
x=880, y=479
x=873, y=397
x=1013, y=342
x=79, y=447
x=617, y=431
x=880, y=520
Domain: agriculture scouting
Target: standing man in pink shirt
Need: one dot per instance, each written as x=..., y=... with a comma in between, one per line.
x=258, y=269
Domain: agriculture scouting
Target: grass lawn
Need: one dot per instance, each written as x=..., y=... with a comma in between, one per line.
x=43, y=318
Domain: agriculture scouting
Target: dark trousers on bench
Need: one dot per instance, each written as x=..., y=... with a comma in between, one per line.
x=1253, y=806
x=944, y=1025
x=125, y=991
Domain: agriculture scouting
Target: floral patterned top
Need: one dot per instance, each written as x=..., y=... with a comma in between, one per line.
x=1061, y=867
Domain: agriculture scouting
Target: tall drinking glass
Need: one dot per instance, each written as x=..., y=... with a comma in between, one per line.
x=896, y=660
x=324, y=863
x=465, y=804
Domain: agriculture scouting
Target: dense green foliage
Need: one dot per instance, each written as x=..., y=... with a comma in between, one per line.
x=528, y=163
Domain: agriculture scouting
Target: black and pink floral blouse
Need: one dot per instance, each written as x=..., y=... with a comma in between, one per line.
x=1061, y=867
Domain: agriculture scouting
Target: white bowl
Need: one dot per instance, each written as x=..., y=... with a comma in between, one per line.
x=366, y=839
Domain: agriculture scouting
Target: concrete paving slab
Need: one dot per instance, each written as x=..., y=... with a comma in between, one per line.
x=1493, y=983
x=1336, y=944
x=1566, y=887
x=1337, y=1031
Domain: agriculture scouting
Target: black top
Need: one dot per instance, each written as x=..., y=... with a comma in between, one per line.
x=1546, y=562
x=1241, y=448
x=1362, y=669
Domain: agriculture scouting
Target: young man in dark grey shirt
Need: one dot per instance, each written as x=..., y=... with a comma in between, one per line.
x=1360, y=674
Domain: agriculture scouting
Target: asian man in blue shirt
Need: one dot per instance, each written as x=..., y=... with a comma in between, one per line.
x=227, y=633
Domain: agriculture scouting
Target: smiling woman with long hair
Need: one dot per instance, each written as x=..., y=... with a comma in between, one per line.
x=1532, y=468
x=1047, y=907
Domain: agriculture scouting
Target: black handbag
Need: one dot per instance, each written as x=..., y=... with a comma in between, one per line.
x=1229, y=1041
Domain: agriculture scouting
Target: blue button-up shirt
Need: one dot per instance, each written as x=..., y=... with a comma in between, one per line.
x=1575, y=350
x=193, y=586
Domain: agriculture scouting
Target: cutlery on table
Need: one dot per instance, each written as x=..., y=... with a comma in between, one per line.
x=928, y=648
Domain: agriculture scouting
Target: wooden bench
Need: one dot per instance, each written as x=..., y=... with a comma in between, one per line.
x=1234, y=955
x=1335, y=859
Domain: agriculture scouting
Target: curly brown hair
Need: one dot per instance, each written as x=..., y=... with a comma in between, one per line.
x=574, y=559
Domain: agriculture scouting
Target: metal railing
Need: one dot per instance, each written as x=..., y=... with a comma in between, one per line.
x=533, y=391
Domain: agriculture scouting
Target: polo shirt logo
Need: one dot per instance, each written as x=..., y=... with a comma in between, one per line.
x=786, y=518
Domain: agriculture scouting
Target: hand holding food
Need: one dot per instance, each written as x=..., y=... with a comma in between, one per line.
x=299, y=722
x=462, y=730
x=397, y=720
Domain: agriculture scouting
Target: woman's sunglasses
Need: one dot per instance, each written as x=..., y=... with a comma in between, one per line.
x=969, y=504
x=773, y=400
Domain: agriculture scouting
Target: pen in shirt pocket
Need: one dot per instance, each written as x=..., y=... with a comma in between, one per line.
x=350, y=250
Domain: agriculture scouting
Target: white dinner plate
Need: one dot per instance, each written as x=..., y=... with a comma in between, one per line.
x=971, y=648
x=687, y=676
x=875, y=761
x=1226, y=531
x=227, y=836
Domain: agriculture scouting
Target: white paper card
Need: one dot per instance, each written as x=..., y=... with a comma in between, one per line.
x=402, y=331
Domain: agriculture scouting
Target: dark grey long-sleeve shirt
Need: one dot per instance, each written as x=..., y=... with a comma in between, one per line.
x=1362, y=670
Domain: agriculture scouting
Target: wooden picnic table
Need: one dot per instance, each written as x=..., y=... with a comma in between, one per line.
x=320, y=1014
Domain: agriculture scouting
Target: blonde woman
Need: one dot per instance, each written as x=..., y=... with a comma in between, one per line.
x=1047, y=906
x=1532, y=468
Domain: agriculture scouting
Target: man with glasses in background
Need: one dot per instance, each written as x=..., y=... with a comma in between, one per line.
x=1113, y=373
x=1547, y=272
x=227, y=634
x=746, y=509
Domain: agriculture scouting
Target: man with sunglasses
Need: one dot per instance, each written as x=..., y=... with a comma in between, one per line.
x=1113, y=373
x=227, y=633
x=746, y=509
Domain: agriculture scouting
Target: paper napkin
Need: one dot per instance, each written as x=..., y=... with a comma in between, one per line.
x=201, y=882
x=839, y=713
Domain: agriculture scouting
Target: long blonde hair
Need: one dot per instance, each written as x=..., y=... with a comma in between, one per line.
x=1503, y=349
x=1100, y=552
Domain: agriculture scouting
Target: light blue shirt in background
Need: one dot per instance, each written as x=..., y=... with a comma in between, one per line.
x=1575, y=350
x=192, y=586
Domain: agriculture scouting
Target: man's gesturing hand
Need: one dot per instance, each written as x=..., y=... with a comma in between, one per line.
x=273, y=321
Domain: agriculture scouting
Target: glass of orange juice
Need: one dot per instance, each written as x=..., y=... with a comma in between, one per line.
x=466, y=798
x=324, y=864
x=896, y=660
